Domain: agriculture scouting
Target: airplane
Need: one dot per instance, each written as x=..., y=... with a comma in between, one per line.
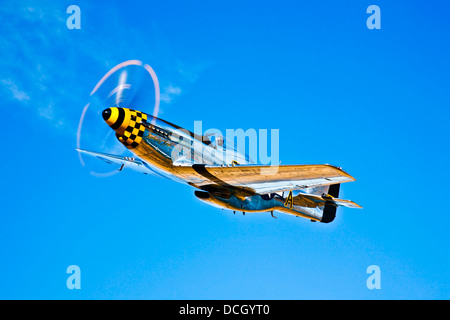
x=308, y=191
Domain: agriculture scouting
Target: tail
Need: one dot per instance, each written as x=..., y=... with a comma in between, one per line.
x=322, y=193
x=329, y=212
x=322, y=200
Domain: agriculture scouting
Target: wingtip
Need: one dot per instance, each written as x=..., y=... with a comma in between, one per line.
x=81, y=150
x=350, y=177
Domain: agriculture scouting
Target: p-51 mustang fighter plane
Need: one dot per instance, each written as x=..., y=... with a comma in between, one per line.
x=308, y=191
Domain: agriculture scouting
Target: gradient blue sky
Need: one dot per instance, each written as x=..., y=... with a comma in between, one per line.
x=375, y=102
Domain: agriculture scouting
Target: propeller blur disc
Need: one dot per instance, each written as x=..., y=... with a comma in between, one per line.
x=130, y=84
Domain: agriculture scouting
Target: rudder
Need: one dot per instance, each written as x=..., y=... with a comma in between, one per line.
x=329, y=212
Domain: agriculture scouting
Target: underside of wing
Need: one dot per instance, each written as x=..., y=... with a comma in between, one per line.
x=257, y=179
x=121, y=162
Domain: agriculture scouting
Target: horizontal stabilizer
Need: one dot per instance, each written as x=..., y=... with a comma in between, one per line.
x=313, y=200
x=346, y=203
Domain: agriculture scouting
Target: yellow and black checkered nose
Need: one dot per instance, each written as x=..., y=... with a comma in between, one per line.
x=127, y=124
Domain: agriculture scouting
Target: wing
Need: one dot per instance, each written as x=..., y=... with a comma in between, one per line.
x=257, y=179
x=123, y=162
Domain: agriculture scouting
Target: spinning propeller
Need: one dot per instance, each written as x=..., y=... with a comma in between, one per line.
x=130, y=84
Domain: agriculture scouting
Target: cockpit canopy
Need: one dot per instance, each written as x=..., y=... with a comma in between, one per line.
x=217, y=141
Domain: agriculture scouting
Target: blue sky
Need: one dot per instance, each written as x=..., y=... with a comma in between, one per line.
x=375, y=102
